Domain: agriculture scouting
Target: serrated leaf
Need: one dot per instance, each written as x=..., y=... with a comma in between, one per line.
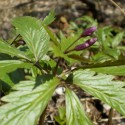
x=26, y=104
x=117, y=39
x=34, y=34
x=75, y=114
x=103, y=87
x=7, y=49
x=50, y=18
x=7, y=66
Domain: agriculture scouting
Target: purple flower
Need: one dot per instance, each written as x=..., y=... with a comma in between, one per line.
x=85, y=45
x=89, y=31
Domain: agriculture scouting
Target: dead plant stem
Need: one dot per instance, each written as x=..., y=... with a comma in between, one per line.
x=117, y=6
x=110, y=116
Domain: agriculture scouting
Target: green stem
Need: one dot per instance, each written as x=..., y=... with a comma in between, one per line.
x=66, y=51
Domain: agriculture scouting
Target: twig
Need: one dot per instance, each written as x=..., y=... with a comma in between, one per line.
x=110, y=116
x=117, y=6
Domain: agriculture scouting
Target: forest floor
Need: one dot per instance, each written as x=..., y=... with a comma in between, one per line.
x=69, y=10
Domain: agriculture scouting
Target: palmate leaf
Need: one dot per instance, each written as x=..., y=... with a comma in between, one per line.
x=34, y=34
x=7, y=49
x=102, y=87
x=75, y=114
x=26, y=104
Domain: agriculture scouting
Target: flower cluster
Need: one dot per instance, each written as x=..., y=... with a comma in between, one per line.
x=85, y=45
x=88, y=43
x=89, y=31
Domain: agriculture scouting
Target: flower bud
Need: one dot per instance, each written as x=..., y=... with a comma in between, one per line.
x=85, y=45
x=89, y=31
x=21, y=42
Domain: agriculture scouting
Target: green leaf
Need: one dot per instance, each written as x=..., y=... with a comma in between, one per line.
x=7, y=49
x=103, y=35
x=75, y=114
x=66, y=42
x=62, y=112
x=5, y=78
x=27, y=103
x=53, y=36
x=58, y=53
x=117, y=39
x=50, y=18
x=61, y=117
x=112, y=53
x=90, y=20
x=79, y=58
x=100, y=57
x=7, y=66
x=112, y=70
x=103, y=87
x=105, y=64
x=34, y=34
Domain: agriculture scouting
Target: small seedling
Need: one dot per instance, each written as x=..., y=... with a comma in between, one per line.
x=45, y=62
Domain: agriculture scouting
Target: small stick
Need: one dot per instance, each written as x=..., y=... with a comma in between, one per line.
x=117, y=6
x=110, y=116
